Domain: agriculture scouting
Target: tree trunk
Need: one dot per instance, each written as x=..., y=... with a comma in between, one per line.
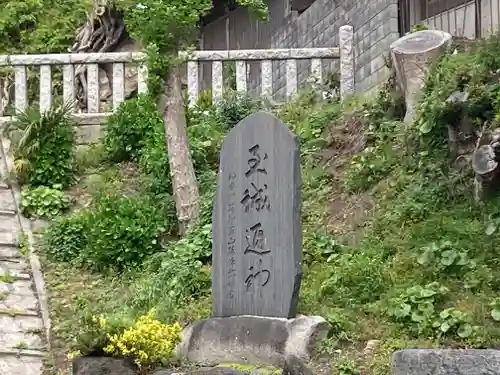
x=412, y=56
x=184, y=184
x=103, y=31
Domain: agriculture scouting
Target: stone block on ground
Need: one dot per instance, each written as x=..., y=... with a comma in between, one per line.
x=103, y=366
x=446, y=362
x=223, y=369
x=295, y=366
x=15, y=365
x=251, y=339
x=219, y=370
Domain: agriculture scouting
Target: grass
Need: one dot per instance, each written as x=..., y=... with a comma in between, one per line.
x=397, y=253
x=7, y=278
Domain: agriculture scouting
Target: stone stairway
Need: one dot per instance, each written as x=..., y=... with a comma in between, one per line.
x=24, y=321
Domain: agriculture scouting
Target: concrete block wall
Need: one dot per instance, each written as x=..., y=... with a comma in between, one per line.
x=375, y=25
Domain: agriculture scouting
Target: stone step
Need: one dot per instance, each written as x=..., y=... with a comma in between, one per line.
x=18, y=302
x=20, y=287
x=7, y=201
x=18, y=268
x=14, y=364
x=9, y=238
x=9, y=252
x=21, y=332
x=5, y=212
x=21, y=352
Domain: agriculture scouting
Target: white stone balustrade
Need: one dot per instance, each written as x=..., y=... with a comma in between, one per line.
x=93, y=117
x=345, y=53
x=70, y=64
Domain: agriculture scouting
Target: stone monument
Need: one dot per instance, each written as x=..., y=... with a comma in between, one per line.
x=256, y=261
x=257, y=242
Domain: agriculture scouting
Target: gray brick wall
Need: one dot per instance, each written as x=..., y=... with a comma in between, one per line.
x=375, y=25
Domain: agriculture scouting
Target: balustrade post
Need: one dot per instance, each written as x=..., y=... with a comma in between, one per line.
x=193, y=81
x=45, y=88
x=291, y=78
x=346, y=38
x=93, y=88
x=21, y=88
x=241, y=76
x=217, y=81
x=118, y=84
x=266, y=71
x=69, y=94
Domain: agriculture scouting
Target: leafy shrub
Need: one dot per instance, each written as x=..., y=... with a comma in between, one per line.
x=355, y=277
x=129, y=127
x=149, y=341
x=43, y=201
x=43, y=146
x=234, y=107
x=417, y=306
x=205, y=139
x=66, y=238
x=122, y=232
x=117, y=232
x=179, y=273
x=153, y=163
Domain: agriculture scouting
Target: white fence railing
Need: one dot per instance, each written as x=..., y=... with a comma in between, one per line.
x=345, y=53
x=72, y=65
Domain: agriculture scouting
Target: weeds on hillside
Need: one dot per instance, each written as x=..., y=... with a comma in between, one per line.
x=420, y=273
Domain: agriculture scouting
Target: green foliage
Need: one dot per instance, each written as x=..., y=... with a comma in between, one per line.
x=179, y=273
x=418, y=269
x=66, y=238
x=234, y=107
x=319, y=245
x=445, y=257
x=418, y=27
x=118, y=232
x=471, y=72
x=416, y=306
x=205, y=139
x=384, y=146
x=40, y=26
x=495, y=309
x=43, y=201
x=130, y=127
x=164, y=27
x=43, y=147
x=124, y=231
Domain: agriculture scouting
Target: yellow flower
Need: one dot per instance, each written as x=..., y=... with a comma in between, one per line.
x=148, y=340
x=73, y=354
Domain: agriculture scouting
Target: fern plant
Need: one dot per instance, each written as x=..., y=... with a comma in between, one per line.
x=42, y=146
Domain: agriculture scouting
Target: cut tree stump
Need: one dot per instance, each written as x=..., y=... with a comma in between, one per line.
x=412, y=56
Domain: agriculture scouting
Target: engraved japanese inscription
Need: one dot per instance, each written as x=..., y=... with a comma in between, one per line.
x=256, y=261
x=255, y=236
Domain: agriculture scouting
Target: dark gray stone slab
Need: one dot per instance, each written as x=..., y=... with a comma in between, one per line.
x=446, y=362
x=295, y=366
x=257, y=236
x=251, y=340
x=103, y=366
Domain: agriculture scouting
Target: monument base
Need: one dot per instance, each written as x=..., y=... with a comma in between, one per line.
x=249, y=339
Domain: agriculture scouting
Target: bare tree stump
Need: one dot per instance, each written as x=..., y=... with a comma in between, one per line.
x=485, y=166
x=412, y=56
x=184, y=184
